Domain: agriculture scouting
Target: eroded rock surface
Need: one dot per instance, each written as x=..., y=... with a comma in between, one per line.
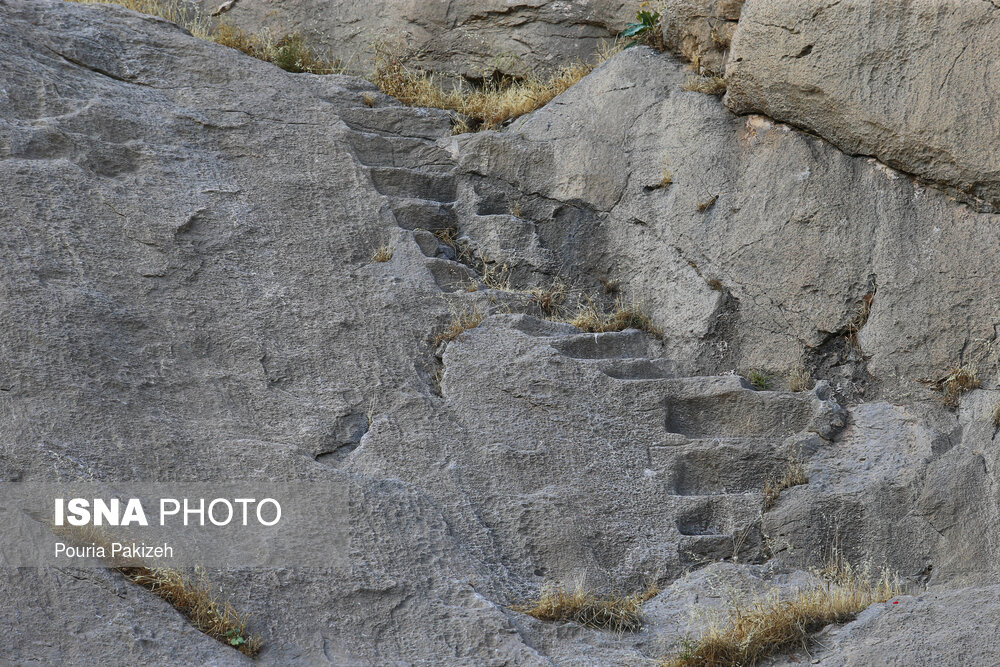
x=773, y=248
x=700, y=31
x=932, y=628
x=189, y=294
x=912, y=83
x=469, y=39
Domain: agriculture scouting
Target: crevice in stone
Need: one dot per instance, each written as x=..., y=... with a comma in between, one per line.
x=964, y=195
x=344, y=438
x=839, y=359
x=97, y=70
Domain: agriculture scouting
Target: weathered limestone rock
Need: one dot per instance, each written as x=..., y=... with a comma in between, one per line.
x=473, y=39
x=910, y=82
x=927, y=628
x=773, y=248
x=189, y=294
x=700, y=31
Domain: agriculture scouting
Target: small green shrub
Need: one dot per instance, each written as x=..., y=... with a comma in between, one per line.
x=759, y=380
x=645, y=29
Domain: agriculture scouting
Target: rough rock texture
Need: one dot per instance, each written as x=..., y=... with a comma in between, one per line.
x=768, y=241
x=916, y=490
x=50, y=616
x=911, y=82
x=700, y=30
x=189, y=294
x=934, y=628
x=473, y=39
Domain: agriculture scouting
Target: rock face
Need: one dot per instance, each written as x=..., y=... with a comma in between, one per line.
x=190, y=294
x=912, y=83
x=469, y=39
x=700, y=31
x=748, y=200
x=931, y=629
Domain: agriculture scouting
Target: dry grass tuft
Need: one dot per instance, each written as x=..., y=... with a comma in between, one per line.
x=449, y=236
x=862, y=311
x=193, y=596
x=958, y=382
x=624, y=316
x=382, y=254
x=666, y=177
x=460, y=323
x=289, y=52
x=707, y=204
x=495, y=276
x=484, y=108
x=610, y=286
x=720, y=39
x=548, y=300
x=767, y=624
x=799, y=380
x=709, y=85
x=795, y=475
x=612, y=612
x=178, y=11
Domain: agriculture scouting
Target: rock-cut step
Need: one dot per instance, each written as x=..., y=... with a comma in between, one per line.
x=399, y=121
x=415, y=213
x=628, y=344
x=718, y=528
x=717, y=466
x=402, y=182
x=380, y=150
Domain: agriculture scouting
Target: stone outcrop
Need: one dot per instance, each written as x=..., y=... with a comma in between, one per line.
x=190, y=294
x=910, y=82
x=774, y=249
x=470, y=39
x=700, y=31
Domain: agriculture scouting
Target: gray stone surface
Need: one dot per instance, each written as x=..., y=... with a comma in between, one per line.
x=935, y=628
x=470, y=38
x=911, y=82
x=189, y=295
x=700, y=31
x=793, y=235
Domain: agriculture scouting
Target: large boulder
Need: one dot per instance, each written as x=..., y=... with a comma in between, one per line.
x=469, y=39
x=910, y=82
